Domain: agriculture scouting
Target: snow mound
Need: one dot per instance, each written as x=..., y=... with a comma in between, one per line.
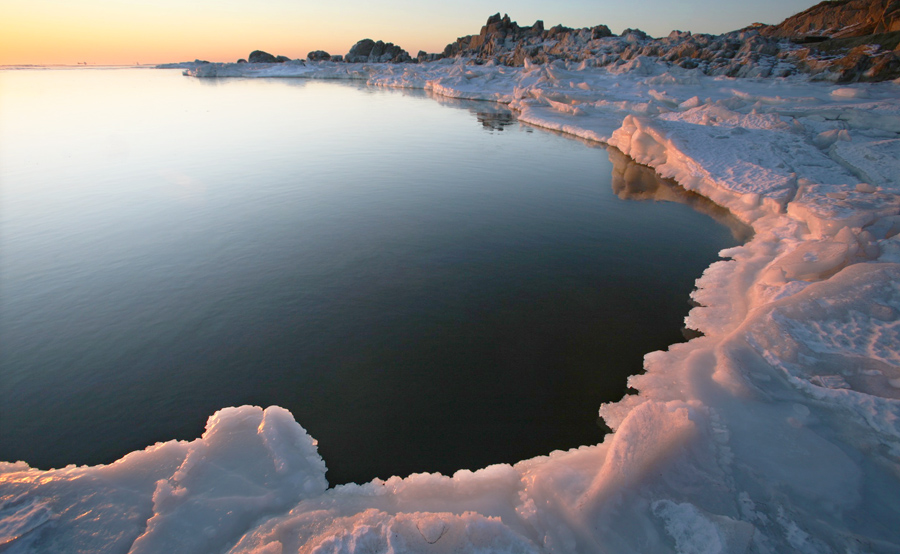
x=197, y=496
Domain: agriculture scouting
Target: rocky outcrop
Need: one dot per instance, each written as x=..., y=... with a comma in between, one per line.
x=424, y=56
x=370, y=51
x=504, y=41
x=839, y=19
x=318, y=56
x=862, y=62
x=258, y=56
x=756, y=51
x=844, y=40
x=836, y=40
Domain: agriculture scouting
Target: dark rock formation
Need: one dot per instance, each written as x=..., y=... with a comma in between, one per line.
x=318, y=56
x=499, y=38
x=368, y=50
x=836, y=40
x=796, y=45
x=848, y=60
x=505, y=42
x=282, y=59
x=844, y=40
x=424, y=56
x=242, y=60
x=361, y=49
x=258, y=56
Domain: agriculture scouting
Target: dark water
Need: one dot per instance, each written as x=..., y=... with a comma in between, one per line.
x=426, y=285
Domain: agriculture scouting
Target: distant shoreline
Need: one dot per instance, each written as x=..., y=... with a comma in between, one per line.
x=77, y=66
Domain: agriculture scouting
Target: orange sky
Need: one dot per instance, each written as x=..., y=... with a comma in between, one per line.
x=148, y=31
x=105, y=34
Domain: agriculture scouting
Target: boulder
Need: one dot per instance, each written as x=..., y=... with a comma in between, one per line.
x=360, y=51
x=318, y=56
x=258, y=56
x=600, y=31
x=370, y=51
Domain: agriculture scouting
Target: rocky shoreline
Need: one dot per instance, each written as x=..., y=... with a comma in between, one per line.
x=836, y=40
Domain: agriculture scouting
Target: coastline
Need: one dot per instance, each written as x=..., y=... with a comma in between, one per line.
x=779, y=429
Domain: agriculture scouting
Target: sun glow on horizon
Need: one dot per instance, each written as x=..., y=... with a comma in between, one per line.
x=45, y=32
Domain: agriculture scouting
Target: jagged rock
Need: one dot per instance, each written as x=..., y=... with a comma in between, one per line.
x=839, y=19
x=600, y=31
x=635, y=35
x=555, y=31
x=361, y=49
x=865, y=62
x=424, y=56
x=318, y=56
x=504, y=41
x=258, y=56
x=368, y=50
x=757, y=51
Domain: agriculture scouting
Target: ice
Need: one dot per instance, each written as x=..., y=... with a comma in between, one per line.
x=778, y=430
x=197, y=496
x=21, y=518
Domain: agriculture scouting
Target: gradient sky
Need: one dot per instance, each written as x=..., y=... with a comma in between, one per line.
x=156, y=31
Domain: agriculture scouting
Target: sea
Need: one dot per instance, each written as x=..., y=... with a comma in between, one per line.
x=427, y=284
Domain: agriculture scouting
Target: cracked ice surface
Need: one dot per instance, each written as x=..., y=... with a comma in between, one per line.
x=776, y=431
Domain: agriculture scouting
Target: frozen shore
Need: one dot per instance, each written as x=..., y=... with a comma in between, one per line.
x=776, y=431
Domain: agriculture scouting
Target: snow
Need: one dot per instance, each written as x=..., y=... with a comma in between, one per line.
x=778, y=430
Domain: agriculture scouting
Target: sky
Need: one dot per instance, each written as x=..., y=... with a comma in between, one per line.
x=47, y=32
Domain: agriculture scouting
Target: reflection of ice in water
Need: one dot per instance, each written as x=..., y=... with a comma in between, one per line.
x=633, y=181
x=495, y=121
x=492, y=116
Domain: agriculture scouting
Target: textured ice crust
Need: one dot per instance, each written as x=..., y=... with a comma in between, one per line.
x=776, y=431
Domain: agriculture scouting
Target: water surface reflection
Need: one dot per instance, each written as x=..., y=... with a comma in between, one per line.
x=422, y=295
x=634, y=181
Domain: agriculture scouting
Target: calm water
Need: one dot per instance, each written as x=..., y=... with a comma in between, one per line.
x=426, y=285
